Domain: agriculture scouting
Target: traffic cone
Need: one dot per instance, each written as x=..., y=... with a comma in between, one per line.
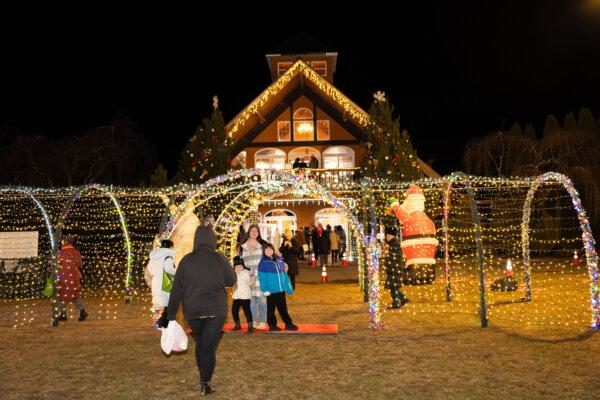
x=576, y=259
x=313, y=261
x=508, y=270
x=344, y=261
x=324, y=274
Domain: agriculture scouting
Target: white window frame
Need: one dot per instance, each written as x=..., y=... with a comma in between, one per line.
x=257, y=155
x=279, y=123
x=325, y=153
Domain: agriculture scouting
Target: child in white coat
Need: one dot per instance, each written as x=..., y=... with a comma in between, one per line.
x=242, y=294
x=161, y=260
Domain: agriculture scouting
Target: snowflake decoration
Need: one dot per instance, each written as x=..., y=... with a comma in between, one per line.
x=380, y=96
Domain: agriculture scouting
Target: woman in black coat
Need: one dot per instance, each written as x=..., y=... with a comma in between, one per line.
x=324, y=246
x=290, y=251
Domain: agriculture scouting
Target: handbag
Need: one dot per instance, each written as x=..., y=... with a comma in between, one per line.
x=49, y=286
x=167, y=282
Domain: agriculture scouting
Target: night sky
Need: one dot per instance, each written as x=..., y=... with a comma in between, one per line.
x=454, y=71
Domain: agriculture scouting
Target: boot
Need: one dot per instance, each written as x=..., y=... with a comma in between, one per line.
x=206, y=388
x=54, y=322
x=250, y=327
x=237, y=326
x=82, y=315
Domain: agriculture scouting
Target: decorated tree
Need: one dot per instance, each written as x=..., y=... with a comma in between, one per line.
x=208, y=152
x=388, y=150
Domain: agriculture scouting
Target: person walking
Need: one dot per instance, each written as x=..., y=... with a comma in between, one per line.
x=162, y=261
x=199, y=285
x=342, y=240
x=301, y=242
x=394, y=268
x=68, y=282
x=334, y=245
x=324, y=245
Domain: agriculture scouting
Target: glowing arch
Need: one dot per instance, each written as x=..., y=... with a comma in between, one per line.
x=275, y=183
x=464, y=179
x=67, y=208
x=586, y=235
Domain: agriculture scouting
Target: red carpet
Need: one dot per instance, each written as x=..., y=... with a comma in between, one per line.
x=303, y=328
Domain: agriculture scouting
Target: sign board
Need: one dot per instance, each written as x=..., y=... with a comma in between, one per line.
x=14, y=245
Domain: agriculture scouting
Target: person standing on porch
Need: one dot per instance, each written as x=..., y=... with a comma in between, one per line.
x=252, y=251
x=313, y=163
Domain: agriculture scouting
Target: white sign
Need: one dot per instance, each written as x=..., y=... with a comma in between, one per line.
x=18, y=244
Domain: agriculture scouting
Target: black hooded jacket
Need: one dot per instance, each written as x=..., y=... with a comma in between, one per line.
x=201, y=279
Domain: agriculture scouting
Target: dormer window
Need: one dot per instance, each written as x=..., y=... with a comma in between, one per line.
x=282, y=67
x=320, y=67
x=283, y=131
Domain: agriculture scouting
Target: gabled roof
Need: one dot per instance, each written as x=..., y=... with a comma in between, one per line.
x=299, y=74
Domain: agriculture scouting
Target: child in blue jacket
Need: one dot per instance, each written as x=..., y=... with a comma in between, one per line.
x=274, y=282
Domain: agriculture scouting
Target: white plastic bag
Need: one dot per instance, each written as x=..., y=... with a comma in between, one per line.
x=173, y=338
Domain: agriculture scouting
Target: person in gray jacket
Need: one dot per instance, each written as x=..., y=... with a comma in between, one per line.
x=199, y=285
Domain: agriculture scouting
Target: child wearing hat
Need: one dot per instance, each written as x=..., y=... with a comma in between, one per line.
x=241, y=294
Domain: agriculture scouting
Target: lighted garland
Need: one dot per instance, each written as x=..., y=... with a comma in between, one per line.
x=66, y=209
x=586, y=236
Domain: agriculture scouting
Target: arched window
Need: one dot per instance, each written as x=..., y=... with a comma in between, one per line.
x=303, y=125
x=270, y=158
x=284, y=219
x=304, y=154
x=331, y=217
x=338, y=157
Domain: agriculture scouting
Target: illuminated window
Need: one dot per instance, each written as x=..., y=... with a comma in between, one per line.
x=303, y=125
x=320, y=67
x=303, y=153
x=323, y=130
x=270, y=158
x=283, y=131
x=338, y=157
x=282, y=67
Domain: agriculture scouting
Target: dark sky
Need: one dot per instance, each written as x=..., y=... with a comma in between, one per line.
x=454, y=71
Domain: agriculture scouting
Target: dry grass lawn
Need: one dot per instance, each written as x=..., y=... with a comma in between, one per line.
x=420, y=355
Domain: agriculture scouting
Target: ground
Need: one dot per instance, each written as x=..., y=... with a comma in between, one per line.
x=421, y=354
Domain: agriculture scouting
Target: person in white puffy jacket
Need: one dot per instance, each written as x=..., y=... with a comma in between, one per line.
x=162, y=259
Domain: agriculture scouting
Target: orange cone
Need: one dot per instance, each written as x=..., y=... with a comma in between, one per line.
x=344, y=261
x=324, y=274
x=576, y=259
x=508, y=270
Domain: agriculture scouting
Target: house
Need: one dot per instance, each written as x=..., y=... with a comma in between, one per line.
x=302, y=114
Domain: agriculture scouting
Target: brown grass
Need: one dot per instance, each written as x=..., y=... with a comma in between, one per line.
x=420, y=355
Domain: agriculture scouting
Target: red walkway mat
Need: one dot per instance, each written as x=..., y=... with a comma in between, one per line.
x=303, y=328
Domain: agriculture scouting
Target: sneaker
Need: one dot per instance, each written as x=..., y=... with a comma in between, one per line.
x=291, y=327
x=262, y=325
x=54, y=322
x=206, y=388
x=82, y=315
x=274, y=328
x=250, y=328
x=256, y=325
x=237, y=327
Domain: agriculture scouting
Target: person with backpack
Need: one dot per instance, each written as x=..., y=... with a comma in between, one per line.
x=159, y=276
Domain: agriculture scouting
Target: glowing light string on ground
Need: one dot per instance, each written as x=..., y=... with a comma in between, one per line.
x=463, y=178
x=586, y=235
x=65, y=212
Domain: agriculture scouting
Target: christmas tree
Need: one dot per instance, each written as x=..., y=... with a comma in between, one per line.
x=208, y=152
x=388, y=150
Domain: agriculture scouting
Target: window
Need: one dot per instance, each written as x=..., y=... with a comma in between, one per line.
x=269, y=158
x=303, y=125
x=303, y=153
x=338, y=157
x=282, y=67
x=320, y=67
x=283, y=131
x=323, y=130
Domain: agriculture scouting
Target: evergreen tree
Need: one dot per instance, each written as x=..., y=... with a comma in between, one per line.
x=530, y=132
x=551, y=125
x=388, y=149
x=586, y=120
x=208, y=152
x=159, y=177
x=515, y=130
x=570, y=122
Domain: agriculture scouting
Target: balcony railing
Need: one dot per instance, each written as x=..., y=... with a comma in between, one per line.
x=330, y=176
